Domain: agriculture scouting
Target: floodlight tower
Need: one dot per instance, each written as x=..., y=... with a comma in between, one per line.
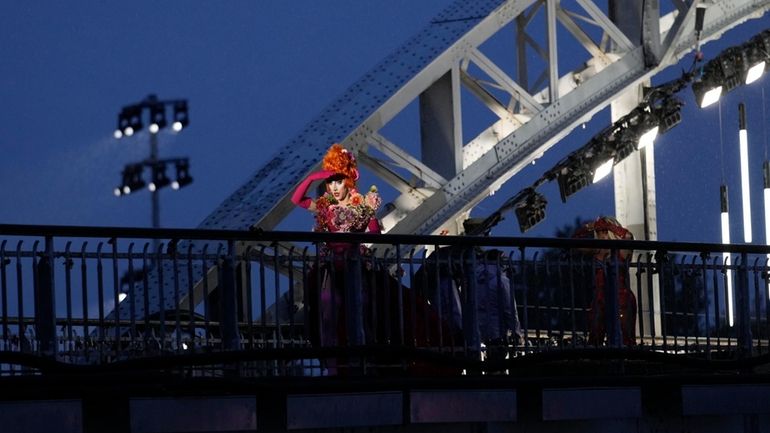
x=129, y=123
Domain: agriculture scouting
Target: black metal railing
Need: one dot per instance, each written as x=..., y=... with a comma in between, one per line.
x=288, y=303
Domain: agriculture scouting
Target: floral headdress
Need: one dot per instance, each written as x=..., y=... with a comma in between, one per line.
x=341, y=161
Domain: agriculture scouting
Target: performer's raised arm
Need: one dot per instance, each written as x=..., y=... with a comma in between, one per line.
x=300, y=197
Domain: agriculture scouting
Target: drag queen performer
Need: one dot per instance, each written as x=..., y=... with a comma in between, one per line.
x=341, y=208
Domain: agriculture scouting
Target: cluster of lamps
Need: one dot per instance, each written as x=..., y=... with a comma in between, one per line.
x=133, y=180
x=657, y=113
x=130, y=117
x=734, y=66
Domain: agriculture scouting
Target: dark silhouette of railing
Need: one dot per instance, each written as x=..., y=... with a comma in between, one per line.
x=289, y=303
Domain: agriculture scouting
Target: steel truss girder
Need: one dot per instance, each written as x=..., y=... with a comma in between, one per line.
x=454, y=37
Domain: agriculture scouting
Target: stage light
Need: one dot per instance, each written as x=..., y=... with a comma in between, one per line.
x=755, y=72
x=530, y=210
x=744, y=155
x=756, y=55
x=725, y=223
x=734, y=66
x=181, y=119
x=183, y=177
x=603, y=169
x=706, y=94
x=648, y=137
x=159, y=178
x=719, y=76
x=157, y=117
x=572, y=179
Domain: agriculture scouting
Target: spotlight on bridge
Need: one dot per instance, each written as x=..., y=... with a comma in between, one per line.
x=583, y=169
x=734, y=66
x=757, y=55
x=719, y=76
x=530, y=210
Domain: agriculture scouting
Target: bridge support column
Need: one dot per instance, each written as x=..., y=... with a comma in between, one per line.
x=440, y=125
x=634, y=177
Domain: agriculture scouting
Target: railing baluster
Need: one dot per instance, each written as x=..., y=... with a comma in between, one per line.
x=4, y=293
x=399, y=294
x=249, y=308
x=716, y=298
x=68, y=295
x=438, y=295
x=177, y=295
x=84, y=300
x=191, y=298
x=754, y=323
x=704, y=259
x=413, y=305
x=525, y=295
x=743, y=308
x=306, y=297
x=146, y=292
x=161, y=296
x=290, y=293
x=206, y=295
x=229, y=308
x=277, y=342
x=116, y=294
x=100, y=298
x=132, y=295
x=640, y=300
x=573, y=310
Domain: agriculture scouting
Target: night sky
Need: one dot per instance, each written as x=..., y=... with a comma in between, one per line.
x=254, y=73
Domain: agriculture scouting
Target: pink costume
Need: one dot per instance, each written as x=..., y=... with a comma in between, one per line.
x=357, y=216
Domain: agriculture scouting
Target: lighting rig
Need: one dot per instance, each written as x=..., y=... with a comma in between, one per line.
x=658, y=112
x=734, y=66
x=130, y=122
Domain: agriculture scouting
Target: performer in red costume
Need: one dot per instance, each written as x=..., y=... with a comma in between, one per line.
x=609, y=228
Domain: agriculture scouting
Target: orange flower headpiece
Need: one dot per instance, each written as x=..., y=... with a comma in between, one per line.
x=341, y=161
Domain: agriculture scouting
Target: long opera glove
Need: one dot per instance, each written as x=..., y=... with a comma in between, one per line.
x=300, y=197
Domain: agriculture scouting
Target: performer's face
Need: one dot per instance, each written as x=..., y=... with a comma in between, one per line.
x=336, y=186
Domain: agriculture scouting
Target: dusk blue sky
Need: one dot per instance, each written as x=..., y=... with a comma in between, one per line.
x=255, y=72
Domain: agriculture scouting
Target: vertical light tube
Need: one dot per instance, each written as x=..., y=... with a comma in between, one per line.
x=725, y=216
x=766, y=176
x=745, y=191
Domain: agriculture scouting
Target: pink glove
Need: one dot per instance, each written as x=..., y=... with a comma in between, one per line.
x=299, y=197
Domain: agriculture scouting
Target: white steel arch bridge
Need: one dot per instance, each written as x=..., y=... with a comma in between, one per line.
x=535, y=105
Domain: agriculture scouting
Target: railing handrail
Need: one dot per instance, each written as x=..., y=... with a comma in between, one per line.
x=259, y=235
